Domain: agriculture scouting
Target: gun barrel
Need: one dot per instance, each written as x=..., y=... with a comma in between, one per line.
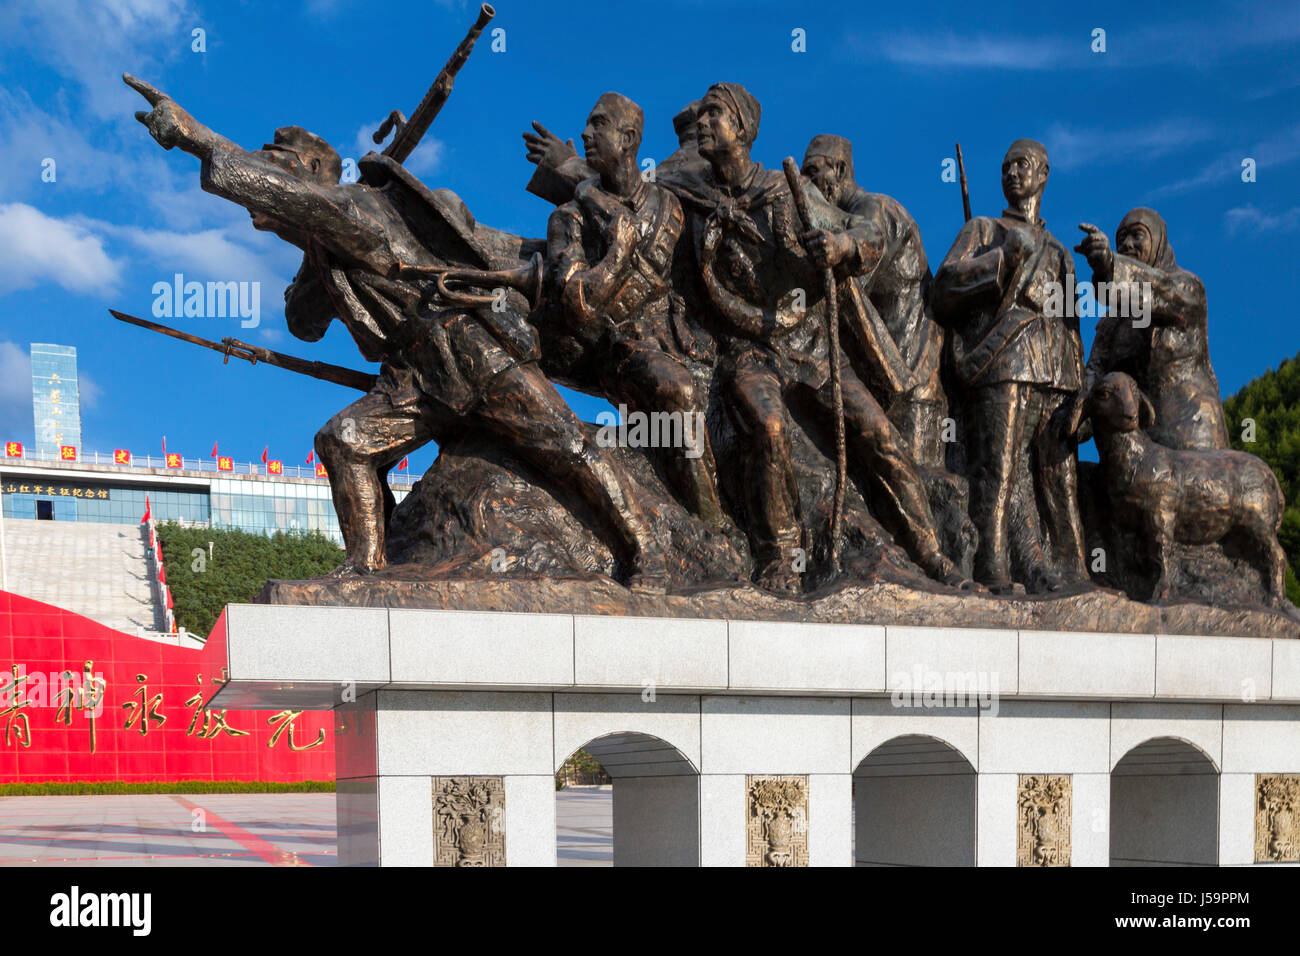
x=349, y=377
x=965, y=193
x=409, y=136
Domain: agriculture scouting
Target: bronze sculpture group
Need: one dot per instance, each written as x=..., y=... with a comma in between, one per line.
x=858, y=411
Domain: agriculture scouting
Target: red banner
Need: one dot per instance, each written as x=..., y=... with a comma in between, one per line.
x=225, y=463
x=82, y=702
x=173, y=460
x=67, y=452
x=13, y=449
x=320, y=471
x=121, y=456
x=275, y=467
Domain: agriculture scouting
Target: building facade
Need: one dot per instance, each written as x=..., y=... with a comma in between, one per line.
x=195, y=493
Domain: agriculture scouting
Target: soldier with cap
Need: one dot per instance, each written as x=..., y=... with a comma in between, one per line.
x=609, y=252
x=898, y=293
x=760, y=288
x=1021, y=371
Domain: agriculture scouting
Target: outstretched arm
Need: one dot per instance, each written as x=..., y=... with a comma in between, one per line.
x=296, y=208
x=172, y=126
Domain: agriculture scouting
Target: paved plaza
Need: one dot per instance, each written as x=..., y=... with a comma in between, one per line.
x=232, y=829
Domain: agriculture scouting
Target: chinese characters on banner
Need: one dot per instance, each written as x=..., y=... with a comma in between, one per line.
x=67, y=453
x=13, y=449
x=59, y=695
x=60, y=491
x=275, y=467
x=225, y=463
x=173, y=459
x=121, y=456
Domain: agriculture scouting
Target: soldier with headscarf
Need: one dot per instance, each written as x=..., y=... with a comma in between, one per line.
x=898, y=293
x=1020, y=368
x=1168, y=354
x=760, y=290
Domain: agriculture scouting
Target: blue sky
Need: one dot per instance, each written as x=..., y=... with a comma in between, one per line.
x=1164, y=117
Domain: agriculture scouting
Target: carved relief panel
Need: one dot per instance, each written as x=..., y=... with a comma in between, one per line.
x=1043, y=826
x=469, y=821
x=776, y=821
x=1277, y=817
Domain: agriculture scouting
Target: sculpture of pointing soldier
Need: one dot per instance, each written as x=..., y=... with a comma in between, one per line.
x=444, y=368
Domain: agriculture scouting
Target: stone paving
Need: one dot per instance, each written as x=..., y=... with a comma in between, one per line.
x=97, y=570
x=232, y=829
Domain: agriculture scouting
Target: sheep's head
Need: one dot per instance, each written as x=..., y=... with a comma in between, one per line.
x=1116, y=404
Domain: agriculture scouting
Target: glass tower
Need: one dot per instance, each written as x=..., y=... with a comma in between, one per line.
x=56, y=403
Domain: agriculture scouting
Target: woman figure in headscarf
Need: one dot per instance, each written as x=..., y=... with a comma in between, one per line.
x=1166, y=351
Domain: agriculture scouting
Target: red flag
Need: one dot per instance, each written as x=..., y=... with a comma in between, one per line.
x=320, y=470
x=402, y=465
x=162, y=574
x=169, y=598
x=147, y=515
x=311, y=456
x=214, y=450
x=264, y=451
x=164, y=446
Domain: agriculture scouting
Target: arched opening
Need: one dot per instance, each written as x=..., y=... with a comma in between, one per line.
x=914, y=805
x=648, y=816
x=1164, y=806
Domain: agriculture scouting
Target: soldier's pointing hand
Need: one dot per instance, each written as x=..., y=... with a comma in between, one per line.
x=167, y=122
x=1095, y=247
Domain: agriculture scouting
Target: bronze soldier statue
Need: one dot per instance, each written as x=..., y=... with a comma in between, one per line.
x=560, y=168
x=1021, y=372
x=1167, y=353
x=754, y=271
x=899, y=293
x=609, y=252
x=444, y=369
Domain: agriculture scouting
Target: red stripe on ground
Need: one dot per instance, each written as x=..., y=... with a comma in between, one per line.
x=249, y=841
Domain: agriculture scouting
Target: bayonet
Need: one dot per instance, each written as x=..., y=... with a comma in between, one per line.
x=228, y=347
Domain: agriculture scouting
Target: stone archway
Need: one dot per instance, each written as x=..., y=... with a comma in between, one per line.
x=914, y=805
x=655, y=812
x=1164, y=806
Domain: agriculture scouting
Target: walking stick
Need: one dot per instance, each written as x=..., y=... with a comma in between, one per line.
x=795, y=179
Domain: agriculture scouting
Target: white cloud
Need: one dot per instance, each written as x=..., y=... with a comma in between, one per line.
x=92, y=42
x=954, y=50
x=36, y=248
x=1071, y=147
x=425, y=160
x=214, y=255
x=1196, y=40
x=1274, y=151
x=15, y=382
x=1249, y=219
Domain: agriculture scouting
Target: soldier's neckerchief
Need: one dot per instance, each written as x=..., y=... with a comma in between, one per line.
x=727, y=212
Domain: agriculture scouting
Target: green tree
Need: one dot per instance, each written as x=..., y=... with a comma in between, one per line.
x=1267, y=410
x=240, y=565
